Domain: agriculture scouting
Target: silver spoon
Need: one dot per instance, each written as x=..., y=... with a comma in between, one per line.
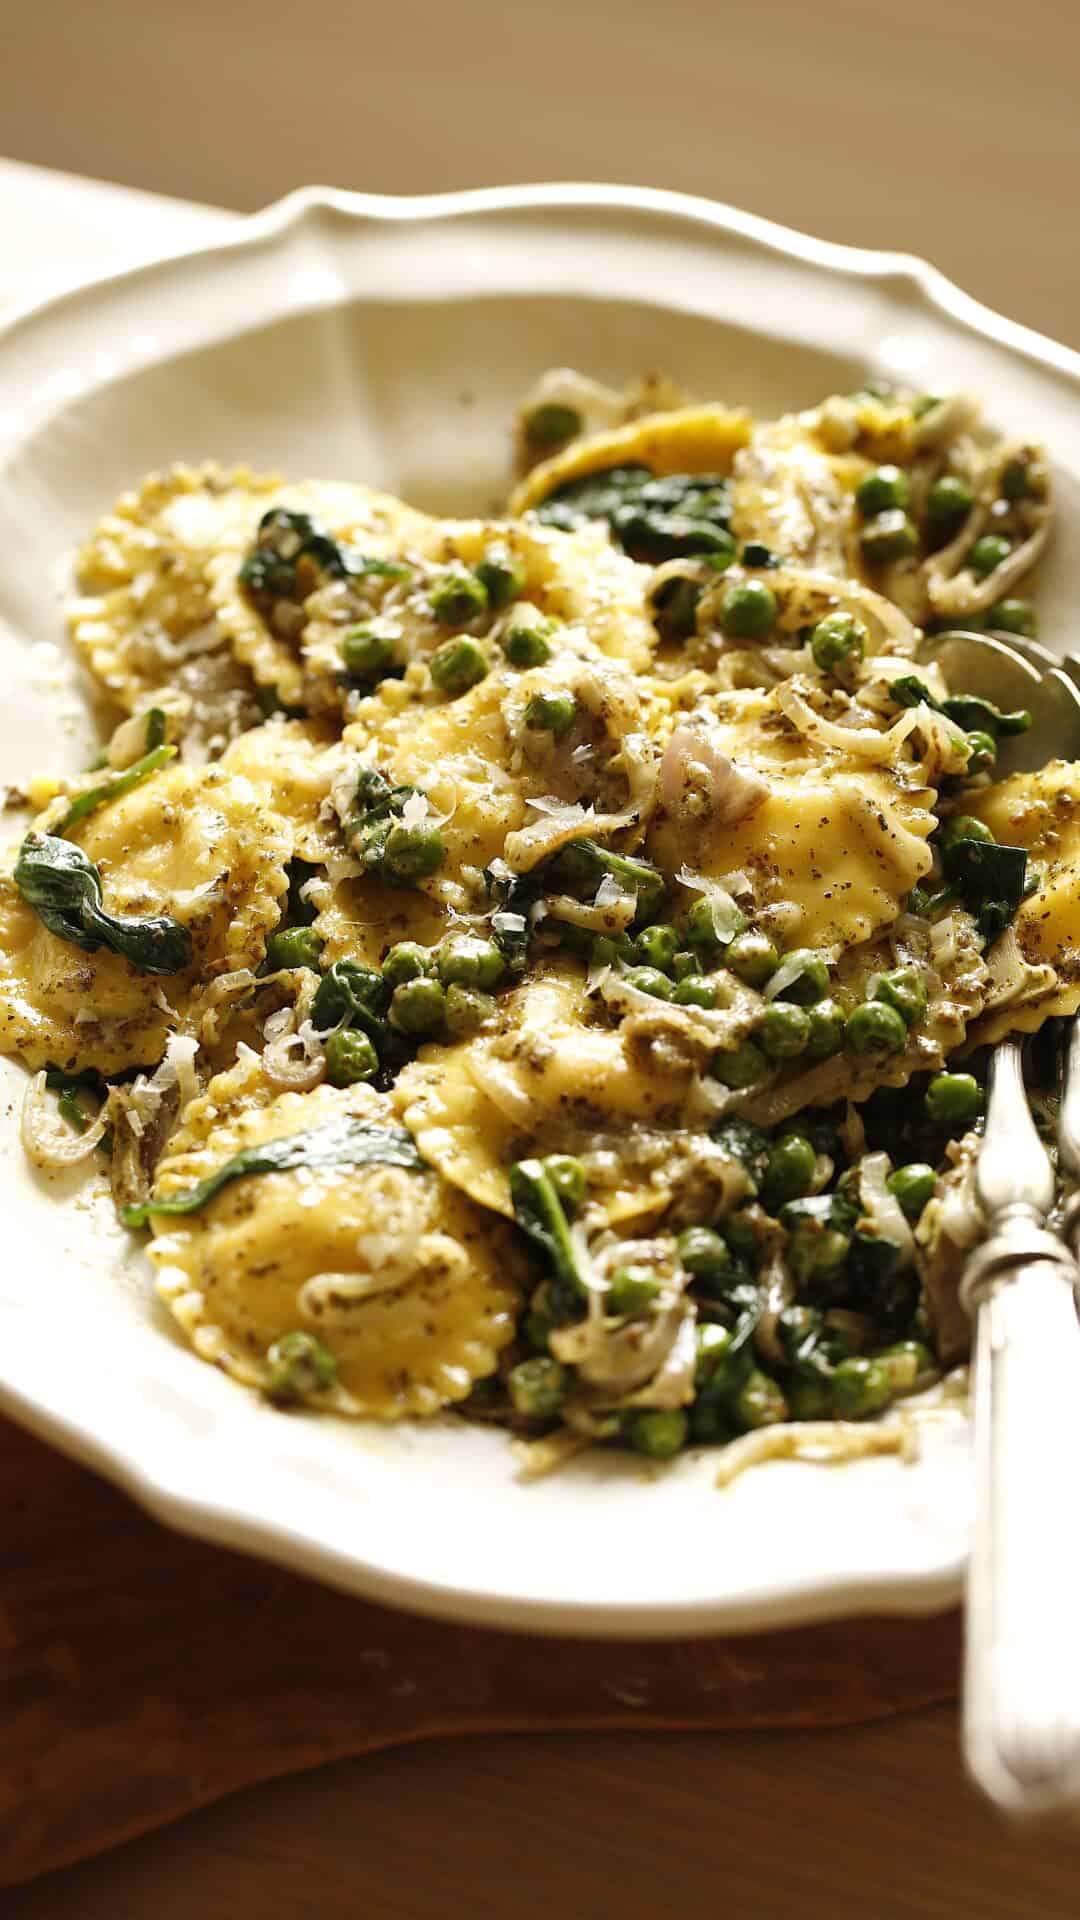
x=1022, y=1671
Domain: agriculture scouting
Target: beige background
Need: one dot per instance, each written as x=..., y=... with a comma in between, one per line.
x=944, y=129
x=949, y=131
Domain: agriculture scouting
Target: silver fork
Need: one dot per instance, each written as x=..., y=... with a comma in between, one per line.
x=1022, y=1660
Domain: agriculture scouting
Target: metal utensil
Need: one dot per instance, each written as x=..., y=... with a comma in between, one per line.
x=1022, y=1664
x=1016, y=673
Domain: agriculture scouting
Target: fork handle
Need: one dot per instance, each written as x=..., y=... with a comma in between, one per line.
x=1022, y=1683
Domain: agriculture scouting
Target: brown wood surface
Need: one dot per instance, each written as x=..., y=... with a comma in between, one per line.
x=952, y=132
x=145, y=1674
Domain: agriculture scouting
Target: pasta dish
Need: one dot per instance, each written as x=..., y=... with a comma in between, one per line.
x=536, y=966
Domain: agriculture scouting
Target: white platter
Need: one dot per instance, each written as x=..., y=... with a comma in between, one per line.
x=387, y=340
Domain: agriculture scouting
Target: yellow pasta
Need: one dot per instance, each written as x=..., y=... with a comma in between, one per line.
x=204, y=844
x=531, y=963
x=410, y=1288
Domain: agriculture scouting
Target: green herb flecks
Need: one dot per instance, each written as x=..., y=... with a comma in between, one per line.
x=119, y=783
x=652, y=519
x=586, y=860
x=965, y=709
x=539, y=1213
x=64, y=888
x=384, y=844
x=989, y=879
x=345, y=1142
x=286, y=540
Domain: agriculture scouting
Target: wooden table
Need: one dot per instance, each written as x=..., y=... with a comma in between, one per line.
x=949, y=132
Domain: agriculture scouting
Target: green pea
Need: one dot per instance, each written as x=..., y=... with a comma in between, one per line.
x=293, y=947
x=418, y=1007
x=752, y=957
x=553, y=713
x=568, y=1177
x=658, y=945
x=759, y=1402
x=906, y=1362
x=982, y=752
x=467, y=960
x=890, y=536
x=457, y=665
x=748, y=610
x=367, y=653
x=816, y=1253
x=632, y=1288
x=988, y=553
x=410, y=854
x=741, y=1238
x=790, y=1170
x=963, y=826
x=828, y=1023
x=406, y=961
x=657, y=1434
x=808, y=1397
x=701, y=927
x=704, y=1253
x=837, y=642
x=696, y=991
x=350, y=1056
x=458, y=598
x=860, y=1388
x=740, y=1067
x=501, y=574
x=537, y=1387
x=913, y=1186
x=299, y=1364
x=527, y=645
x=1016, y=480
x=905, y=990
x=948, y=503
x=713, y=1345
x=1014, y=616
x=884, y=487
x=551, y=424
x=953, y=1101
x=876, y=1028
x=684, y=964
x=783, y=1031
x=811, y=983
x=650, y=980
x=467, y=1011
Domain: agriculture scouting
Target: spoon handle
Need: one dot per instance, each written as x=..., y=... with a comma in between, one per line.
x=1022, y=1680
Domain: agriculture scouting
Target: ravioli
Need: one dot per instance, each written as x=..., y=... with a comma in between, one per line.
x=374, y=523
x=298, y=760
x=686, y=440
x=548, y=1080
x=410, y=1287
x=198, y=843
x=145, y=611
x=830, y=846
x=606, y=891
x=796, y=499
